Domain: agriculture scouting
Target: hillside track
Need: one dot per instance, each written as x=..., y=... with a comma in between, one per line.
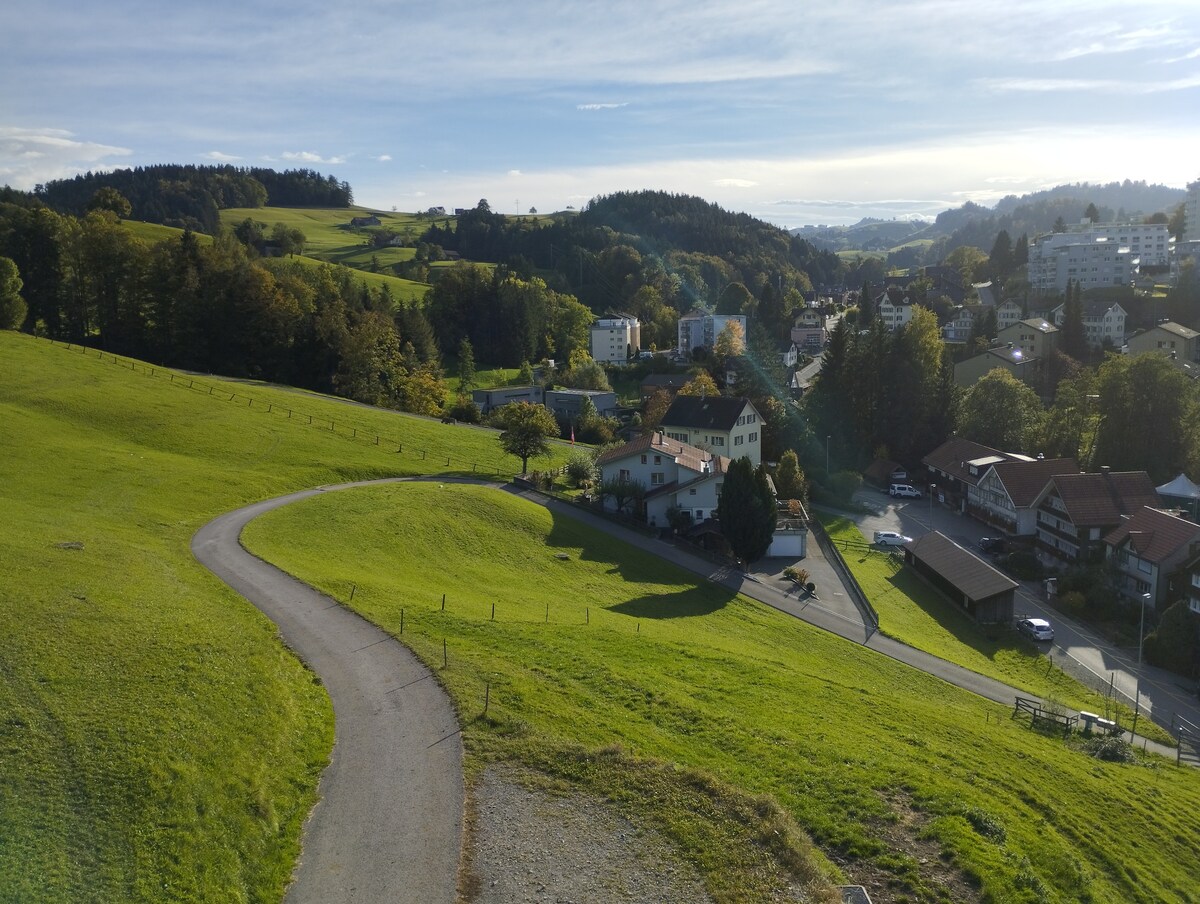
x=389, y=823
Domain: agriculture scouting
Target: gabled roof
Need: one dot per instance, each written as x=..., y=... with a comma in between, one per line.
x=1093, y=310
x=954, y=457
x=1025, y=480
x=705, y=412
x=1037, y=323
x=1155, y=535
x=670, y=381
x=1172, y=327
x=881, y=469
x=966, y=572
x=1099, y=500
x=686, y=456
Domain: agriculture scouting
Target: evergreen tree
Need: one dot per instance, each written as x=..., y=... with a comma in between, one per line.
x=789, y=478
x=1001, y=259
x=746, y=510
x=466, y=367
x=1073, y=338
x=866, y=307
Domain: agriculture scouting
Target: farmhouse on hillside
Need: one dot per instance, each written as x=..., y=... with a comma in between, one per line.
x=672, y=474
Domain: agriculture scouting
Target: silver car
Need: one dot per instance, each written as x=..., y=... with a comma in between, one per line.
x=1035, y=629
x=890, y=538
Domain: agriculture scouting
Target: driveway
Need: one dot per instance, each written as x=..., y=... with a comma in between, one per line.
x=388, y=826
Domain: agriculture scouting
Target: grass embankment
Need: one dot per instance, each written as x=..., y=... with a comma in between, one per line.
x=156, y=741
x=701, y=711
x=914, y=613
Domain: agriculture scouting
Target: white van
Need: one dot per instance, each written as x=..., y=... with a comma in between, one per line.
x=904, y=490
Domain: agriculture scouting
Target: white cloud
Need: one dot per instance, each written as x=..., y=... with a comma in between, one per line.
x=601, y=106
x=220, y=157
x=734, y=183
x=310, y=157
x=32, y=156
x=514, y=172
x=384, y=158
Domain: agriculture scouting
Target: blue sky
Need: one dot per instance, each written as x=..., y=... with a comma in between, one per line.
x=794, y=111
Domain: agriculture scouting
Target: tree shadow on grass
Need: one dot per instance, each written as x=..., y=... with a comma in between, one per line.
x=692, y=601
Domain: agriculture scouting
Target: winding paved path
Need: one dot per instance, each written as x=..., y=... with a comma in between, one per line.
x=388, y=826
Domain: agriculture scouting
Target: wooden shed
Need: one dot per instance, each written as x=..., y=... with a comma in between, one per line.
x=985, y=593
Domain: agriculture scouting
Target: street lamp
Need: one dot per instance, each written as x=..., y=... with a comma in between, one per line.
x=1142, y=628
x=932, y=491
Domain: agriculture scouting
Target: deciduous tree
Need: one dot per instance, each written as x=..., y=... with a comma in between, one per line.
x=12, y=306
x=526, y=430
x=1002, y=412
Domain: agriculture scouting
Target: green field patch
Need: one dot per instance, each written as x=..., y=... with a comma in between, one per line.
x=599, y=660
x=157, y=742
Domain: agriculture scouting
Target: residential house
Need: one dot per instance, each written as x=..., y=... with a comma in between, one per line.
x=699, y=329
x=1168, y=338
x=967, y=580
x=1101, y=320
x=789, y=353
x=615, y=338
x=490, y=399
x=961, y=324
x=1076, y=511
x=1008, y=313
x=1025, y=368
x=894, y=308
x=809, y=331
x=673, y=474
x=957, y=465
x=1148, y=549
x=1004, y=496
x=986, y=292
x=721, y=424
x=1035, y=336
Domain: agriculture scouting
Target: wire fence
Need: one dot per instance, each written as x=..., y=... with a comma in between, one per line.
x=342, y=427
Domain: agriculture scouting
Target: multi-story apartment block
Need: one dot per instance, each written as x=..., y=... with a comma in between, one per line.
x=616, y=338
x=700, y=330
x=1093, y=262
x=1191, y=213
x=1147, y=550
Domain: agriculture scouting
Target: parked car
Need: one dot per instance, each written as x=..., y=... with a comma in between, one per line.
x=994, y=545
x=904, y=490
x=1035, y=629
x=890, y=538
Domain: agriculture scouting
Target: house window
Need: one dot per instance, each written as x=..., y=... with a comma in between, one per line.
x=658, y=459
x=643, y=459
x=656, y=479
x=737, y=440
x=624, y=474
x=692, y=491
x=718, y=440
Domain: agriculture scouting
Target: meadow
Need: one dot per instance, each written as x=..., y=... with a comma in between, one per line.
x=157, y=742
x=737, y=731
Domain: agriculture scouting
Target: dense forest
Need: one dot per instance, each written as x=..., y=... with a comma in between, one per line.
x=190, y=197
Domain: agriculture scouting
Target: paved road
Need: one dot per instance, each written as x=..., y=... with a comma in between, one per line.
x=388, y=827
x=1077, y=648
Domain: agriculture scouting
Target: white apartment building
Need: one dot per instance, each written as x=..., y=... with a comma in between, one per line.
x=1100, y=321
x=700, y=330
x=1191, y=213
x=615, y=338
x=1149, y=242
x=1092, y=262
x=894, y=312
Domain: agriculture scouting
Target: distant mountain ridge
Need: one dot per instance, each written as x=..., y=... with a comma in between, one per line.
x=974, y=224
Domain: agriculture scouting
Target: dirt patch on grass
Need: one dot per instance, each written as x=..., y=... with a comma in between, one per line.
x=926, y=874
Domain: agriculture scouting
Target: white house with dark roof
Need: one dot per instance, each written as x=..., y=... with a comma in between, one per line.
x=673, y=474
x=723, y=425
x=1101, y=321
x=895, y=309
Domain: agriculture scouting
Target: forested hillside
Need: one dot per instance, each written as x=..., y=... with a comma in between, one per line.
x=190, y=196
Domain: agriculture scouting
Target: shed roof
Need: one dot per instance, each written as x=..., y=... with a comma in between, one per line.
x=965, y=571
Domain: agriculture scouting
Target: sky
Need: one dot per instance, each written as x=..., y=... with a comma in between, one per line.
x=794, y=111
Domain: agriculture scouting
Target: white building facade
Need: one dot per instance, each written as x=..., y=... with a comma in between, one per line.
x=1093, y=263
x=673, y=474
x=700, y=330
x=615, y=339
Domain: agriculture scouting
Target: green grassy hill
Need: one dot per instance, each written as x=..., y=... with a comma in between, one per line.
x=611, y=670
x=157, y=743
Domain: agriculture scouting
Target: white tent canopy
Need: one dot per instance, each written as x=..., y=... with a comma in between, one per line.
x=1180, y=488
